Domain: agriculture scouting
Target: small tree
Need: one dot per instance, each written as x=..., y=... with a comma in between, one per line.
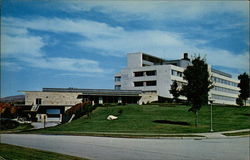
x=244, y=87
x=198, y=85
x=239, y=101
x=175, y=91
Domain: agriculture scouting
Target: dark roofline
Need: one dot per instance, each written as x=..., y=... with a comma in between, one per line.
x=153, y=56
x=81, y=90
x=221, y=73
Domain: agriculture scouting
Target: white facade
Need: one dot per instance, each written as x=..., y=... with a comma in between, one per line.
x=151, y=74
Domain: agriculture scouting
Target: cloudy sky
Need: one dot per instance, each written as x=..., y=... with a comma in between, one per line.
x=84, y=43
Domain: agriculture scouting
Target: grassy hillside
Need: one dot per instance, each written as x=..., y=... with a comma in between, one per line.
x=23, y=153
x=139, y=119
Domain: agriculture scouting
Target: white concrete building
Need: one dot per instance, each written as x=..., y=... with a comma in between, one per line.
x=155, y=75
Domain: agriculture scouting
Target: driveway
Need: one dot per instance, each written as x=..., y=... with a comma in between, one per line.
x=104, y=148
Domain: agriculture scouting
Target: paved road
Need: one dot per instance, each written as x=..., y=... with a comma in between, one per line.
x=104, y=148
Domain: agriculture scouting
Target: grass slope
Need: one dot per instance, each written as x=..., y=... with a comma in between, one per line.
x=22, y=153
x=21, y=127
x=139, y=119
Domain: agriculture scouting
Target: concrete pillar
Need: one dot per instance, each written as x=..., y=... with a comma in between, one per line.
x=93, y=102
x=60, y=119
x=100, y=100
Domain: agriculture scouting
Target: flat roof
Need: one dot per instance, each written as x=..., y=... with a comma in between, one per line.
x=221, y=73
x=80, y=90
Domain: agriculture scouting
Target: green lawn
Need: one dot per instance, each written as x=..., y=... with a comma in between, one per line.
x=238, y=133
x=9, y=152
x=139, y=119
x=21, y=127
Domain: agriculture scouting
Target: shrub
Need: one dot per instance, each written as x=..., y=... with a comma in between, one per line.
x=239, y=101
x=7, y=110
x=79, y=110
x=8, y=124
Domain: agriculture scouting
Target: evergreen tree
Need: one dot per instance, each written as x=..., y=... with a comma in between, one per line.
x=175, y=91
x=197, y=87
x=239, y=101
x=244, y=86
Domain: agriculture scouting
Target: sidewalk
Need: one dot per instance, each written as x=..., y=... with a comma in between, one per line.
x=38, y=125
x=208, y=135
x=220, y=134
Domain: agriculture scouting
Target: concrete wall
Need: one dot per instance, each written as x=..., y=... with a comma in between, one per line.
x=134, y=60
x=221, y=93
x=162, y=77
x=52, y=98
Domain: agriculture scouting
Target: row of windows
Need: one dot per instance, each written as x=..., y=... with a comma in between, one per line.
x=225, y=98
x=145, y=83
x=176, y=73
x=150, y=91
x=223, y=81
x=145, y=73
x=225, y=90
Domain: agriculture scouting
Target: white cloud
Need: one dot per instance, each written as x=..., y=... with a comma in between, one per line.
x=166, y=45
x=80, y=26
x=64, y=64
x=17, y=43
x=158, y=9
x=24, y=45
x=11, y=66
x=117, y=41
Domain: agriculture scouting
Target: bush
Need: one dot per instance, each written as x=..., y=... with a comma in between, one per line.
x=239, y=101
x=79, y=110
x=7, y=110
x=8, y=124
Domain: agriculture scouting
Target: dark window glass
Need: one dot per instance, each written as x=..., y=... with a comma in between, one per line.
x=117, y=79
x=151, y=83
x=53, y=111
x=138, y=74
x=38, y=101
x=150, y=73
x=117, y=87
x=138, y=84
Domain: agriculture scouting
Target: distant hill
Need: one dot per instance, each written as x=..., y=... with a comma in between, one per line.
x=17, y=98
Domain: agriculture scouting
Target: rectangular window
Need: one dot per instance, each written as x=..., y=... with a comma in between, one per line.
x=173, y=72
x=138, y=84
x=150, y=73
x=117, y=87
x=179, y=74
x=53, y=111
x=117, y=78
x=38, y=101
x=150, y=83
x=138, y=74
x=176, y=73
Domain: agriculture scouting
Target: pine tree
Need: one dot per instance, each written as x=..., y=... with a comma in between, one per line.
x=244, y=86
x=175, y=91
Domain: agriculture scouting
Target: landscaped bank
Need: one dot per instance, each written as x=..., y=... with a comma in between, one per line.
x=155, y=119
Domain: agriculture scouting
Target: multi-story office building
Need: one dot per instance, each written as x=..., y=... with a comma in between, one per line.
x=155, y=75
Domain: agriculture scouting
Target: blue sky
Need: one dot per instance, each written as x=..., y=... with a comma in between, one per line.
x=83, y=44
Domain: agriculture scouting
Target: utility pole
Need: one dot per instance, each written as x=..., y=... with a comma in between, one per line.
x=211, y=115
